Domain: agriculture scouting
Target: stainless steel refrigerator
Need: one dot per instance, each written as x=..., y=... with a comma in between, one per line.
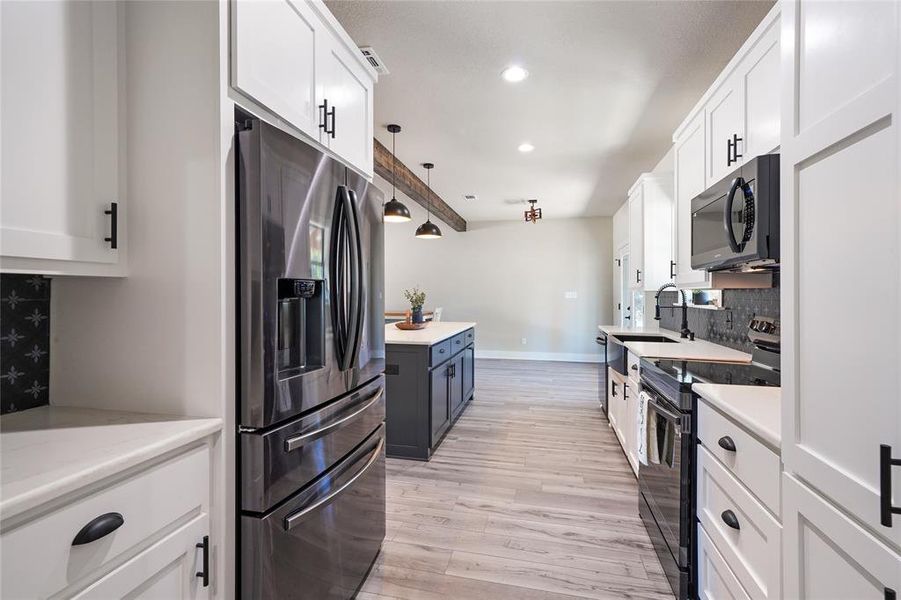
x=310, y=345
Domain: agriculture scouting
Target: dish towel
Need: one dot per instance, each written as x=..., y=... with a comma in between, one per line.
x=642, y=423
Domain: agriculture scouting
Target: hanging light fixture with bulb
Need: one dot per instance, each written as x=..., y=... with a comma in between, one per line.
x=428, y=230
x=395, y=210
x=533, y=214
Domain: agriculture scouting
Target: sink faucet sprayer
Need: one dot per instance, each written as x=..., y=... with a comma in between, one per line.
x=685, y=332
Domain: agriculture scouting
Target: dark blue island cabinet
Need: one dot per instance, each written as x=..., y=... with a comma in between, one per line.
x=429, y=380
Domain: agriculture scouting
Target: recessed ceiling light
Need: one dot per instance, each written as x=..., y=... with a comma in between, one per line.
x=514, y=74
x=526, y=147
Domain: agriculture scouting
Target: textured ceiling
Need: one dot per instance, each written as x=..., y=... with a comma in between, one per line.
x=609, y=83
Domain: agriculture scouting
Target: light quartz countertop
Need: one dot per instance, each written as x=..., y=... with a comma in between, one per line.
x=431, y=335
x=50, y=451
x=757, y=408
x=682, y=350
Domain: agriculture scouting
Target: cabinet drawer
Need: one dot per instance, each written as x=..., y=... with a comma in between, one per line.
x=458, y=342
x=470, y=335
x=439, y=353
x=38, y=556
x=716, y=581
x=754, y=464
x=753, y=550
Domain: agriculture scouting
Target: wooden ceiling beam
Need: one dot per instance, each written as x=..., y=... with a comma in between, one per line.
x=414, y=187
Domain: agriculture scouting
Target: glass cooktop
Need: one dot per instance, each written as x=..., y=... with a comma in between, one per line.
x=688, y=372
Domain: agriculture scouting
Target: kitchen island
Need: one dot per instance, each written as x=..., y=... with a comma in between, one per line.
x=429, y=379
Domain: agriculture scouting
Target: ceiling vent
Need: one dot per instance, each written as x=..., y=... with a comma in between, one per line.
x=470, y=197
x=374, y=60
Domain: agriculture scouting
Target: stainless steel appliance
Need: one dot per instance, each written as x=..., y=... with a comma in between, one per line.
x=735, y=223
x=666, y=483
x=616, y=358
x=310, y=345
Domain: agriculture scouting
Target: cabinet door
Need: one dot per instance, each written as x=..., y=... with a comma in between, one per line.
x=636, y=238
x=630, y=423
x=60, y=137
x=827, y=555
x=614, y=399
x=275, y=46
x=760, y=70
x=456, y=385
x=439, y=388
x=725, y=119
x=347, y=88
x=168, y=569
x=469, y=371
x=689, y=168
x=840, y=140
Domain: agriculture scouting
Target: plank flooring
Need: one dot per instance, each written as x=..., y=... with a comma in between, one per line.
x=529, y=497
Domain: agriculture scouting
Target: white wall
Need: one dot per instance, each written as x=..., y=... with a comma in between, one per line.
x=510, y=277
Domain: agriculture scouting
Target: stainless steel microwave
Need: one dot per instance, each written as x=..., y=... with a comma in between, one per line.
x=735, y=223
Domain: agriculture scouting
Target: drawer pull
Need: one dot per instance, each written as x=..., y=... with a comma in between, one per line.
x=726, y=443
x=204, y=573
x=99, y=527
x=730, y=519
x=441, y=351
x=634, y=367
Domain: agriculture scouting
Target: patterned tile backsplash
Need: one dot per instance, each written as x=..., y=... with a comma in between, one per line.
x=24, y=342
x=727, y=327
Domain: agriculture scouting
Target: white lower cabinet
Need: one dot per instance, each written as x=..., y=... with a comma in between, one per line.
x=167, y=570
x=161, y=514
x=829, y=556
x=716, y=581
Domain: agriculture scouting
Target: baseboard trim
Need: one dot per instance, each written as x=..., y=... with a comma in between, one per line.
x=546, y=356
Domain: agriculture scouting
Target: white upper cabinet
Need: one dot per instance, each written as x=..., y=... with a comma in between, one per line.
x=841, y=223
x=621, y=227
x=295, y=64
x=345, y=88
x=688, y=157
x=725, y=130
x=650, y=232
x=276, y=49
x=61, y=151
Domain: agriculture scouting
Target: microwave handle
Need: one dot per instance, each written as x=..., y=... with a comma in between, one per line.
x=727, y=214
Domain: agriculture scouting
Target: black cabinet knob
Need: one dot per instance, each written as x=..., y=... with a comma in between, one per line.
x=99, y=527
x=726, y=443
x=730, y=519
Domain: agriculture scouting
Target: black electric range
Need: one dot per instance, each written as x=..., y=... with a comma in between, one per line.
x=666, y=482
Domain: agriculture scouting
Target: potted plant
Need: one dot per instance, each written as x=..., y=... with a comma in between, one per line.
x=416, y=298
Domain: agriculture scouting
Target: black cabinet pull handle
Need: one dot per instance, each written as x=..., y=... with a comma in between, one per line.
x=672, y=269
x=113, y=213
x=735, y=154
x=729, y=160
x=441, y=351
x=331, y=132
x=634, y=367
x=613, y=388
x=726, y=443
x=886, y=462
x=204, y=573
x=637, y=275
x=730, y=519
x=99, y=527
x=323, y=122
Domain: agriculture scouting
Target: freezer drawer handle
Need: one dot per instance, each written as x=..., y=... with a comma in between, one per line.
x=298, y=440
x=295, y=518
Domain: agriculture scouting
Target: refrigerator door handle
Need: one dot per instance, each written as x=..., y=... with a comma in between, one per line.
x=358, y=292
x=337, y=266
x=295, y=442
x=295, y=518
x=353, y=260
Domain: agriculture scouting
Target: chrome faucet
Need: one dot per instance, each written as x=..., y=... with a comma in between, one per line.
x=685, y=332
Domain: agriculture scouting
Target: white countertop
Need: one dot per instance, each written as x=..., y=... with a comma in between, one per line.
x=758, y=408
x=53, y=450
x=682, y=350
x=434, y=333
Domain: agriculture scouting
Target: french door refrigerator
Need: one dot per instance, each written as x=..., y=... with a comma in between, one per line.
x=310, y=345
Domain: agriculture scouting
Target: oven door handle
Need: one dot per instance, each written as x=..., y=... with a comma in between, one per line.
x=292, y=520
x=667, y=414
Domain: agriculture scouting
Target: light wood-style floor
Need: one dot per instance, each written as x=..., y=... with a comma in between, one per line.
x=528, y=497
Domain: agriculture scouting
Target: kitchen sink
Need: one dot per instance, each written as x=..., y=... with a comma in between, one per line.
x=644, y=338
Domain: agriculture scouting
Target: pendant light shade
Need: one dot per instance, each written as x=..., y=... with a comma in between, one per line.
x=428, y=230
x=395, y=210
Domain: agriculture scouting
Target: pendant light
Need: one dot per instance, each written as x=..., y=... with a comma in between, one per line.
x=395, y=210
x=428, y=230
